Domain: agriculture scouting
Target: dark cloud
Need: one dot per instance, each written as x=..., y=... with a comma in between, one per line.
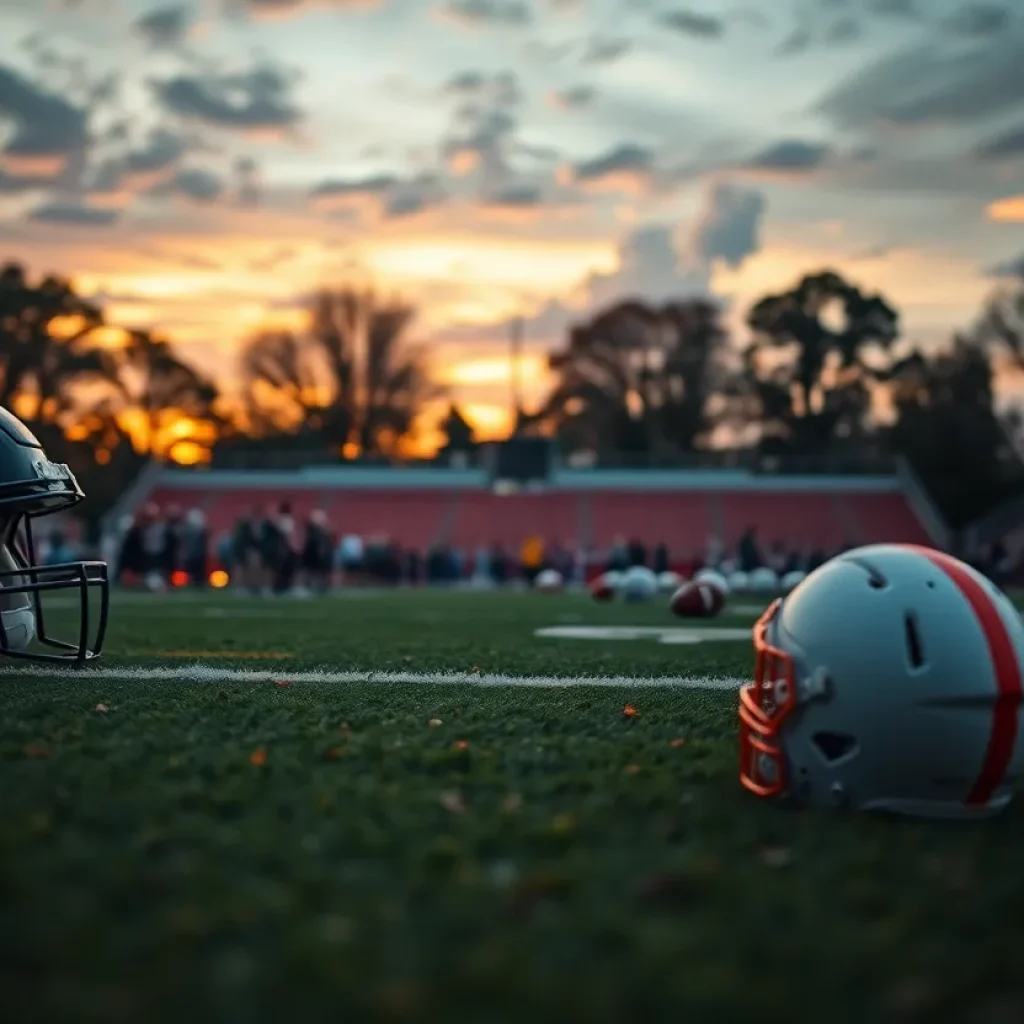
x=628, y=158
x=728, y=228
x=791, y=155
x=516, y=196
x=49, y=132
x=693, y=23
x=1013, y=267
x=1008, y=145
x=466, y=82
x=146, y=167
x=542, y=154
x=413, y=196
x=484, y=121
x=842, y=31
x=906, y=9
x=248, y=186
x=10, y=183
x=932, y=84
x=166, y=27
x=498, y=88
x=405, y=204
x=73, y=213
x=397, y=197
x=258, y=99
x=573, y=98
x=377, y=184
x=197, y=184
x=480, y=13
x=979, y=20
x=162, y=150
x=795, y=43
x=605, y=50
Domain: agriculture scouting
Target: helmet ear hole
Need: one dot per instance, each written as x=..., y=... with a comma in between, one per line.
x=833, y=745
x=915, y=649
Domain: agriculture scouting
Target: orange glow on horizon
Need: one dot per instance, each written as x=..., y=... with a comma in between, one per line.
x=495, y=370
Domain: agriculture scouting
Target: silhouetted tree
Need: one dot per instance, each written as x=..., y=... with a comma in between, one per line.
x=948, y=428
x=159, y=388
x=101, y=455
x=46, y=344
x=349, y=377
x=1002, y=321
x=457, y=430
x=637, y=378
x=816, y=350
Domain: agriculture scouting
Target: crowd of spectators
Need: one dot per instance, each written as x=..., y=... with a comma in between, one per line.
x=268, y=551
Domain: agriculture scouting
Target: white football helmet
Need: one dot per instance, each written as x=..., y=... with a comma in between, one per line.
x=888, y=680
x=668, y=581
x=548, y=581
x=738, y=581
x=639, y=584
x=792, y=580
x=764, y=580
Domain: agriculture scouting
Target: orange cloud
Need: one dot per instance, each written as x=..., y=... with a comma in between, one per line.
x=36, y=166
x=463, y=162
x=1009, y=210
x=279, y=10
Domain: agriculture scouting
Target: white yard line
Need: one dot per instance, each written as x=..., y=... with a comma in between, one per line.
x=200, y=673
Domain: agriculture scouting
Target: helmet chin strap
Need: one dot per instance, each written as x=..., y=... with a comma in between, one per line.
x=19, y=627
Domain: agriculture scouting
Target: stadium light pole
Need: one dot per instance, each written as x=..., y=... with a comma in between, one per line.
x=515, y=357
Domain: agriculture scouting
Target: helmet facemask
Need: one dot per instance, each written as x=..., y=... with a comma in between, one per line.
x=25, y=588
x=765, y=703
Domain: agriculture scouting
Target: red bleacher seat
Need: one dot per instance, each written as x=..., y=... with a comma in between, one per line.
x=885, y=518
x=485, y=518
x=411, y=518
x=800, y=520
x=683, y=521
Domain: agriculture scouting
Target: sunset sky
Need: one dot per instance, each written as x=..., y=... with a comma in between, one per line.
x=203, y=166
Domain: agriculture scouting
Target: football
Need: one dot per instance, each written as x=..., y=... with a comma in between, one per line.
x=603, y=588
x=696, y=599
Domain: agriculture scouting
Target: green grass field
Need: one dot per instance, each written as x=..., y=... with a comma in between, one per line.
x=294, y=846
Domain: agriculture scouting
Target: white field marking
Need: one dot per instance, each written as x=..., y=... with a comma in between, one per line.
x=200, y=673
x=662, y=634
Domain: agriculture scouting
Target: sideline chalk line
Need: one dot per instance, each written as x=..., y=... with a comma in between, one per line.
x=200, y=673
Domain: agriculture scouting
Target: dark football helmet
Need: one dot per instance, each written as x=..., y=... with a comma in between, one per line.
x=31, y=487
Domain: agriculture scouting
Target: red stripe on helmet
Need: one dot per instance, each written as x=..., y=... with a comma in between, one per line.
x=1009, y=693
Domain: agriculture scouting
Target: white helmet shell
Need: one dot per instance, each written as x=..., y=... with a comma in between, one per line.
x=668, y=581
x=639, y=584
x=888, y=680
x=739, y=582
x=792, y=580
x=548, y=581
x=764, y=580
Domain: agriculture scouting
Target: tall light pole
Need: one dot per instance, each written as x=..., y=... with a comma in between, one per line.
x=515, y=351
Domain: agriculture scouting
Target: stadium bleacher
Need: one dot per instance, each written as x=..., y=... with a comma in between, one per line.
x=418, y=508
